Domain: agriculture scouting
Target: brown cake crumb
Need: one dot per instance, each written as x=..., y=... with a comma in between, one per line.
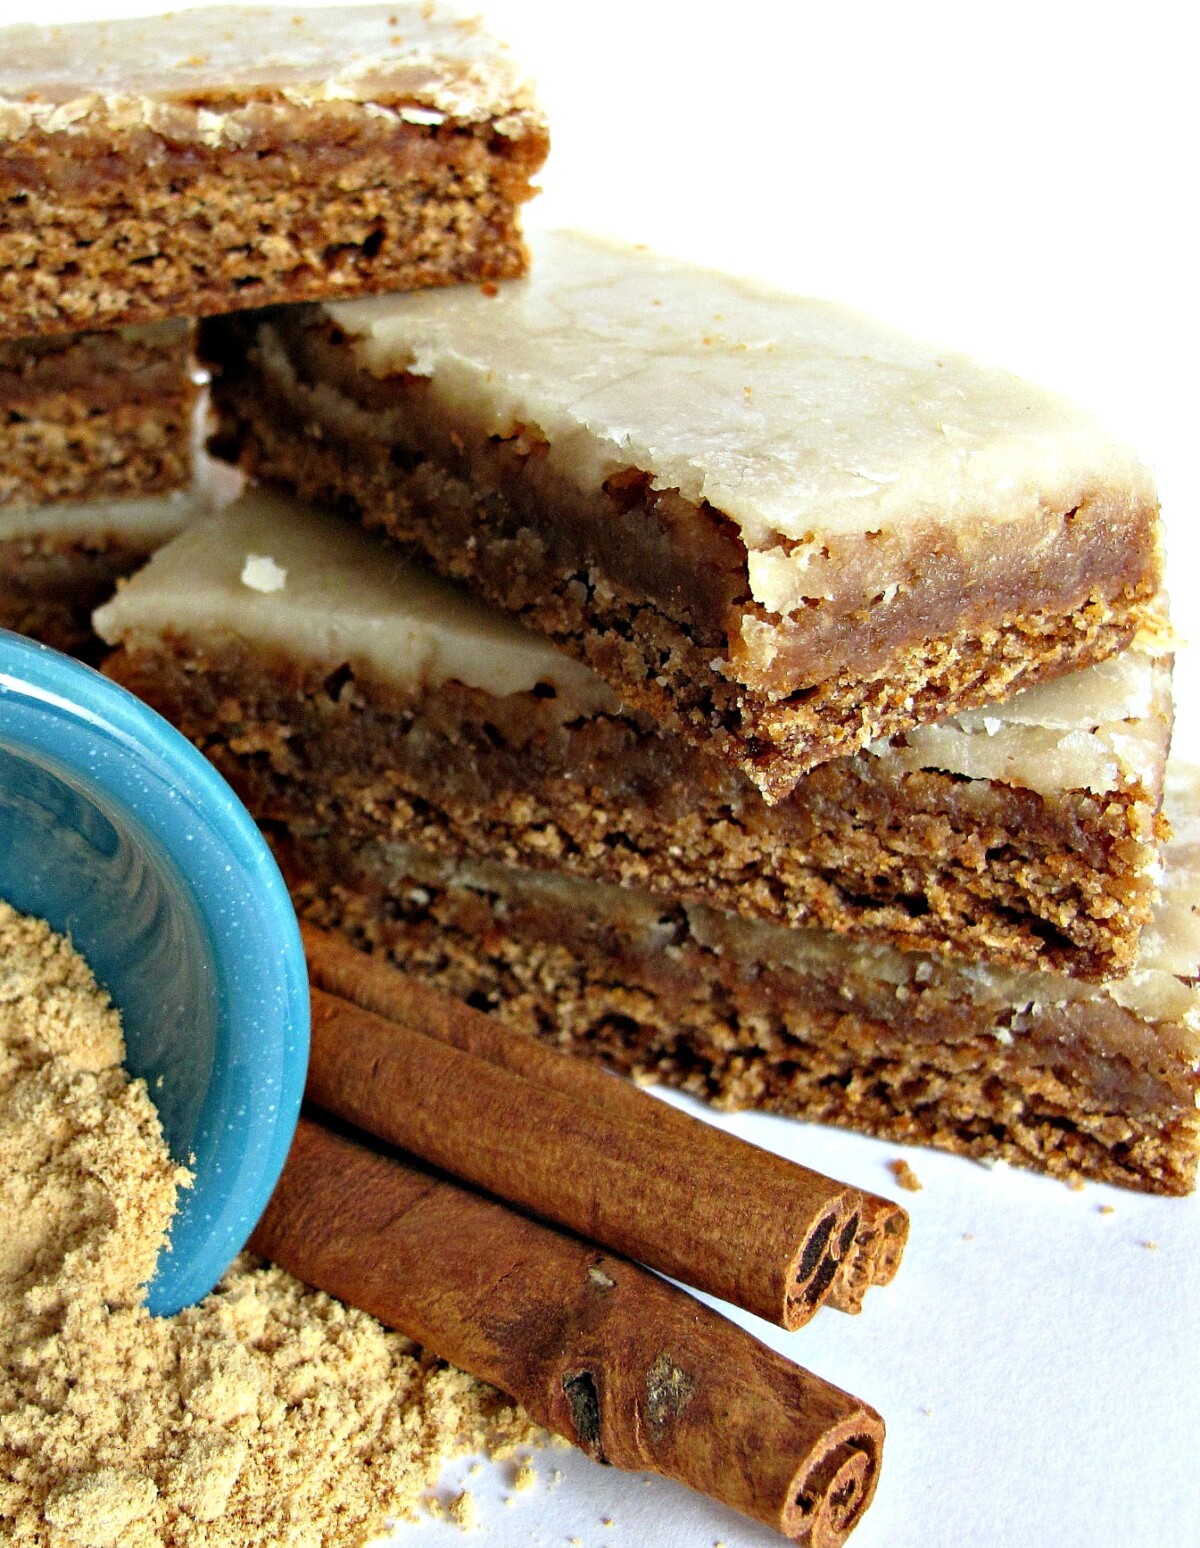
x=905, y=1176
x=270, y=1414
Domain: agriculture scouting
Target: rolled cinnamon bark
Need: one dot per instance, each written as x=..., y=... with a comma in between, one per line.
x=874, y=1255
x=648, y=1180
x=738, y=1222
x=626, y=1366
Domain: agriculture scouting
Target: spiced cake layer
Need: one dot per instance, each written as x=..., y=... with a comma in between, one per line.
x=59, y=562
x=233, y=156
x=769, y=523
x=97, y=416
x=332, y=680
x=1079, y=1080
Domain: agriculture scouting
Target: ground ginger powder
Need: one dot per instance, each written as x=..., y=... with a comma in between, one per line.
x=268, y=1415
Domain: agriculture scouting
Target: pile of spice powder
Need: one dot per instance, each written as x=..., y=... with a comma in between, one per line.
x=270, y=1414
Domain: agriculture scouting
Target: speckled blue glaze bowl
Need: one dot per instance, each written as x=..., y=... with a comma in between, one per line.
x=117, y=831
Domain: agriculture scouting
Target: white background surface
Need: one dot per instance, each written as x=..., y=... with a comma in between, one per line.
x=1018, y=181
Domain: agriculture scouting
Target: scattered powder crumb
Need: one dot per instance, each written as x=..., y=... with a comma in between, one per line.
x=1105, y=1209
x=905, y=1176
x=475, y=1469
x=607, y=1521
x=1149, y=1246
x=556, y=1478
x=928, y=1412
x=269, y=1415
x=1076, y=1184
x=463, y=1510
x=968, y=1236
x=525, y=1477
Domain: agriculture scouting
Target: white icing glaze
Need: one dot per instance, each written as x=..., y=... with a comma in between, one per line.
x=422, y=62
x=155, y=519
x=345, y=597
x=1098, y=729
x=799, y=419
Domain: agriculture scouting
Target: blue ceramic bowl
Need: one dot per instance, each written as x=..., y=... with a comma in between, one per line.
x=115, y=830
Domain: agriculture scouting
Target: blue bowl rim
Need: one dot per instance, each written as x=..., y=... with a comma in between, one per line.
x=206, y=1234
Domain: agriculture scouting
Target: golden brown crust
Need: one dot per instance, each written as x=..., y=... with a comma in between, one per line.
x=1060, y=1098
x=96, y=416
x=121, y=226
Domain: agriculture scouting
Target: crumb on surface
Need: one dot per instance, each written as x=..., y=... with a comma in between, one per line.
x=525, y=1476
x=463, y=1510
x=1149, y=1246
x=1105, y=1209
x=905, y=1176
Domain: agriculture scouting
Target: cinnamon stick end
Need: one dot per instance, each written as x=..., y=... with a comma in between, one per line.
x=820, y=1263
x=833, y=1488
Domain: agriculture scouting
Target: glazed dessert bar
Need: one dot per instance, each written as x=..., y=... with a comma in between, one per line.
x=767, y=522
x=332, y=681
x=233, y=156
x=1079, y=1080
x=59, y=562
x=96, y=416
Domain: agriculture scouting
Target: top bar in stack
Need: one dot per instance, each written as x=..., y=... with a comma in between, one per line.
x=233, y=156
x=770, y=523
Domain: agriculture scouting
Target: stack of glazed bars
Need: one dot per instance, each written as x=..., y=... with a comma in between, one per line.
x=153, y=172
x=707, y=680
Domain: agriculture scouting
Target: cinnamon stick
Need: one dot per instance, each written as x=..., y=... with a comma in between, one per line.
x=648, y=1180
x=631, y=1369
x=740, y=1223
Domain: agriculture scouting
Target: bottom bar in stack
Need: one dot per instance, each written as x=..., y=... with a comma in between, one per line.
x=1076, y=1079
